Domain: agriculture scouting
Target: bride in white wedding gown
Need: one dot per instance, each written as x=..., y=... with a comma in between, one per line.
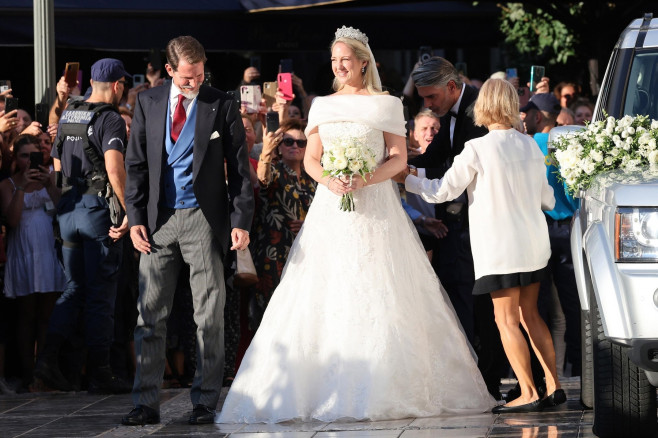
x=359, y=327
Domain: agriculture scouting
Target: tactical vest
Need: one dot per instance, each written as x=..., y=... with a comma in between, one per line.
x=76, y=121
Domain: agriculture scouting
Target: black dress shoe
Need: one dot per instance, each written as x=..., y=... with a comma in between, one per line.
x=202, y=414
x=140, y=416
x=534, y=406
x=557, y=398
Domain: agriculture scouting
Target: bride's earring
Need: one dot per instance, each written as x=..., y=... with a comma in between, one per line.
x=363, y=70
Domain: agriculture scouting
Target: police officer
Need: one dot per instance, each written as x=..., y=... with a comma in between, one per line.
x=89, y=154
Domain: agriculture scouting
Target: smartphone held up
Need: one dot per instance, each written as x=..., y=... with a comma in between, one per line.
x=36, y=160
x=11, y=104
x=71, y=74
x=424, y=54
x=537, y=72
x=285, y=85
x=269, y=93
x=250, y=97
x=42, y=111
x=272, y=121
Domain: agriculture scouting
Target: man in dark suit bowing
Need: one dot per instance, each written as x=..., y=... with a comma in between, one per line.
x=444, y=92
x=183, y=208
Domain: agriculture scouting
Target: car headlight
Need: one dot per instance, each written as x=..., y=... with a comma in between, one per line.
x=636, y=234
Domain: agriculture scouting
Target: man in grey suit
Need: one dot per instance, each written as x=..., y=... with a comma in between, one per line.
x=183, y=208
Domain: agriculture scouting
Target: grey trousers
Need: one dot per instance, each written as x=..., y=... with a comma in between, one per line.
x=183, y=236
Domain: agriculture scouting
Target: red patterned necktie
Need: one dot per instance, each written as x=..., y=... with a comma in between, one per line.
x=179, y=119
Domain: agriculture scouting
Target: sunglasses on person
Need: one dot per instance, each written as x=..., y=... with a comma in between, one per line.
x=290, y=141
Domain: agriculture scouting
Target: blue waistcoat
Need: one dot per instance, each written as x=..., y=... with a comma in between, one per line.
x=178, y=175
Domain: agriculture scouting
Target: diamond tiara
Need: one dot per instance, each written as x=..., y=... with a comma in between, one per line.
x=350, y=32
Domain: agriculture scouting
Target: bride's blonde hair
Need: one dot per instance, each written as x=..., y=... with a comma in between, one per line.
x=362, y=54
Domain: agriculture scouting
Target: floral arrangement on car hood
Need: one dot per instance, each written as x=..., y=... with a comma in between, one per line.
x=629, y=143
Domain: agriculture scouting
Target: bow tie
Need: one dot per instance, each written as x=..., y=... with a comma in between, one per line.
x=453, y=114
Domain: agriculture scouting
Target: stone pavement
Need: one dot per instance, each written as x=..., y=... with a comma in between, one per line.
x=56, y=414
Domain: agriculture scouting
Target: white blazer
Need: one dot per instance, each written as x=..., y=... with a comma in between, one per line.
x=505, y=178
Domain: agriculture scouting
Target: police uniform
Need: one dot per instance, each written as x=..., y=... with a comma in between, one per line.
x=91, y=259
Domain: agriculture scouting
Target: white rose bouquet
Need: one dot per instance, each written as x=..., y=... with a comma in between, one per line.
x=628, y=143
x=348, y=158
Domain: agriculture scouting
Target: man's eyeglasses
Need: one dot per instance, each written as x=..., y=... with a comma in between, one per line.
x=290, y=141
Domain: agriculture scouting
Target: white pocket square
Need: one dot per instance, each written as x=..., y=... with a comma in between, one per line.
x=214, y=135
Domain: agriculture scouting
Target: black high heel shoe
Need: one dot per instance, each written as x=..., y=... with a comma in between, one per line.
x=557, y=398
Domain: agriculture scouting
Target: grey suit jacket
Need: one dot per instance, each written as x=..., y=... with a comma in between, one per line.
x=224, y=205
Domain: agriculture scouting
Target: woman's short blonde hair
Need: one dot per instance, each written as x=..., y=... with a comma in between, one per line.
x=498, y=102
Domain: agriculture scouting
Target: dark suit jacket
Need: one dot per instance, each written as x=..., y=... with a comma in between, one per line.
x=439, y=154
x=224, y=206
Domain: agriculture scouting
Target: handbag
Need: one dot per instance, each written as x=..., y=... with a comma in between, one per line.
x=245, y=271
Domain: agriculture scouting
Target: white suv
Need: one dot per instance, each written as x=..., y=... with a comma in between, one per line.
x=614, y=243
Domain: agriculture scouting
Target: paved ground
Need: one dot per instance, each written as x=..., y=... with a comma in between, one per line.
x=81, y=415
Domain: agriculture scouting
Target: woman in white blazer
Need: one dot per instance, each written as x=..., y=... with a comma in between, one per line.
x=505, y=178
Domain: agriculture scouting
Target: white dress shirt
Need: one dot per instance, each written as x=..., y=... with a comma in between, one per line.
x=505, y=177
x=173, y=101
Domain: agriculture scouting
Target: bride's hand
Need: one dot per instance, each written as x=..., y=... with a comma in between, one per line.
x=356, y=183
x=337, y=186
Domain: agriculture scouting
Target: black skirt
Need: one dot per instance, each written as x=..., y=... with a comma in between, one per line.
x=491, y=283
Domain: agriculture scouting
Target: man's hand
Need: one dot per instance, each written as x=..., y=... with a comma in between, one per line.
x=140, y=238
x=436, y=227
x=240, y=239
x=33, y=129
x=117, y=233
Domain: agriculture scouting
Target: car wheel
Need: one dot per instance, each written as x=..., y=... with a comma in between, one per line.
x=587, y=373
x=624, y=401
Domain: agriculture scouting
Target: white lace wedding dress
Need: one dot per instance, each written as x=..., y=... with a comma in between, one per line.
x=359, y=327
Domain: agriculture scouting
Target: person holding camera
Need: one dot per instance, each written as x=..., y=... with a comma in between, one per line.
x=33, y=275
x=89, y=157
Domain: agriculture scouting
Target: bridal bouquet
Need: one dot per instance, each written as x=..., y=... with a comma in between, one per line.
x=350, y=158
x=627, y=143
